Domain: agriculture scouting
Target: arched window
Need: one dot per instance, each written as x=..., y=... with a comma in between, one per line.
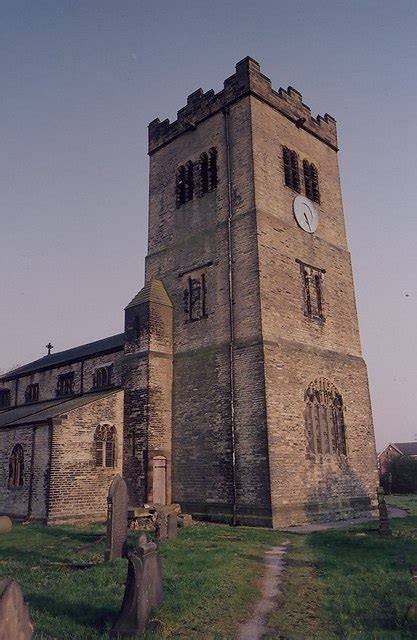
x=105, y=445
x=189, y=181
x=16, y=466
x=311, y=181
x=204, y=173
x=291, y=174
x=180, y=186
x=324, y=419
x=212, y=169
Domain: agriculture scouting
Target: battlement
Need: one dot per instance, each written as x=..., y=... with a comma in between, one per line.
x=248, y=80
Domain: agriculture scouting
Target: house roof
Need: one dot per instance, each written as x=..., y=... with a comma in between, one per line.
x=113, y=343
x=406, y=448
x=43, y=411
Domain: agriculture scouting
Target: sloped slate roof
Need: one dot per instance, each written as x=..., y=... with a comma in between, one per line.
x=154, y=291
x=43, y=411
x=69, y=355
x=406, y=448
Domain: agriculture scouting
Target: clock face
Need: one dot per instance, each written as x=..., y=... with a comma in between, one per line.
x=305, y=213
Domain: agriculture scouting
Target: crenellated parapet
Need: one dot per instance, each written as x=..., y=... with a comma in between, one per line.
x=248, y=80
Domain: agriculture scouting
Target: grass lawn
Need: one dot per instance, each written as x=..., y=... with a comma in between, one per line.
x=337, y=584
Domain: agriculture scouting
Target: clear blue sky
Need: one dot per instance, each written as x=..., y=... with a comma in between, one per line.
x=80, y=80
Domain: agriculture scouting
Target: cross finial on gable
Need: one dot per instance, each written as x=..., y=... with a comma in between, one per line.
x=49, y=346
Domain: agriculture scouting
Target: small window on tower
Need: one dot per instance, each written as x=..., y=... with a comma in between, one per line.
x=311, y=181
x=204, y=174
x=189, y=181
x=313, y=293
x=195, y=299
x=291, y=173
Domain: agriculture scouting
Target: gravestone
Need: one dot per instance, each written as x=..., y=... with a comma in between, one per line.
x=15, y=620
x=384, y=529
x=117, y=503
x=143, y=592
x=161, y=527
x=185, y=520
x=172, y=526
x=6, y=524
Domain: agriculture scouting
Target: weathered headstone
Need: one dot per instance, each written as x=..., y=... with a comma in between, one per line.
x=15, y=620
x=6, y=524
x=384, y=529
x=185, y=520
x=117, y=503
x=172, y=526
x=161, y=527
x=143, y=592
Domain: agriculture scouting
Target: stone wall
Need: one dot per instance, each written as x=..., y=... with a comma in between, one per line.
x=78, y=489
x=28, y=500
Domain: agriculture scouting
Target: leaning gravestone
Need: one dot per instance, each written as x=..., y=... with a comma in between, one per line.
x=6, y=524
x=143, y=591
x=384, y=528
x=161, y=527
x=15, y=620
x=116, y=540
x=172, y=526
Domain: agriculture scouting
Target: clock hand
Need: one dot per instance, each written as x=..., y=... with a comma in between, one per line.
x=307, y=220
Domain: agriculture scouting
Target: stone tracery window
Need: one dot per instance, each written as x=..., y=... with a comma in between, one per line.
x=105, y=445
x=324, y=418
x=16, y=466
x=312, y=291
x=103, y=377
x=65, y=384
x=32, y=392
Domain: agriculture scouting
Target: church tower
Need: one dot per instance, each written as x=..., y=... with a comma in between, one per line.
x=271, y=415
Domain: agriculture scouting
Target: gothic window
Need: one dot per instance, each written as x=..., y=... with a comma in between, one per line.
x=312, y=290
x=311, y=181
x=180, y=188
x=105, y=445
x=65, y=386
x=324, y=419
x=16, y=466
x=208, y=171
x=212, y=169
x=189, y=181
x=291, y=173
x=4, y=398
x=195, y=303
x=32, y=392
x=103, y=377
x=204, y=173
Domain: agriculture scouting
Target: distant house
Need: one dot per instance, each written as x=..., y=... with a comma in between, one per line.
x=393, y=450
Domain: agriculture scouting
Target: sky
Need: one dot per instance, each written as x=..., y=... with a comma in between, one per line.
x=81, y=80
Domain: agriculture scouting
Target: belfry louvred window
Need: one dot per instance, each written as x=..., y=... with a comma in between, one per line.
x=291, y=172
x=311, y=181
x=208, y=171
x=324, y=419
x=16, y=466
x=212, y=169
x=184, y=184
x=105, y=445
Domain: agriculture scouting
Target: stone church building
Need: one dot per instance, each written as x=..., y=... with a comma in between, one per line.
x=238, y=386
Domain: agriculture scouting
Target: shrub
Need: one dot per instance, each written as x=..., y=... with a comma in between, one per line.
x=404, y=474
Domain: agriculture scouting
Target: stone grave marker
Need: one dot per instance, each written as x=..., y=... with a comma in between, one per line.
x=384, y=529
x=6, y=524
x=15, y=620
x=143, y=591
x=117, y=503
x=172, y=526
x=161, y=527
